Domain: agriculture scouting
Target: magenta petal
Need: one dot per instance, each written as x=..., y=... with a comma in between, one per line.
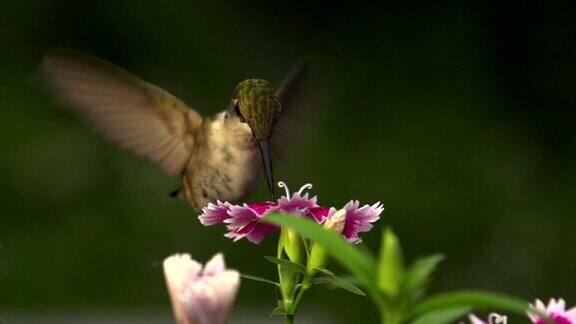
x=297, y=201
x=261, y=207
x=244, y=222
x=319, y=214
x=241, y=215
x=259, y=232
x=254, y=231
x=360, y=220
x=214, y=213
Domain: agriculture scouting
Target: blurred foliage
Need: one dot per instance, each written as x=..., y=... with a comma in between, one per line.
x=459, y=117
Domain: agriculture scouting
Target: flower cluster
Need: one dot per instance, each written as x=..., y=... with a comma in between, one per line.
x=556, y=312
x=245, y=220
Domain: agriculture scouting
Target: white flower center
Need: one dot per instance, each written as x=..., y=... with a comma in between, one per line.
x=306, y=186
x=494, y=318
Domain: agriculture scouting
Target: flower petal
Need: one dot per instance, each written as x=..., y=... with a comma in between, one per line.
x=557, y=306
x=244, y=222
x=571, y=314
x=359, y=219
x=226, y=286
x=179, y=271
x=319, y=214
x=260, y=208
x=200, y=302
x=259, y=232
x=475, y=320
x=214, y=213
x=255, y=232
x=210, y=300
x=540, y=305
x=181, y=268
x=215, y=265
x=297, y=201
x=241, y=215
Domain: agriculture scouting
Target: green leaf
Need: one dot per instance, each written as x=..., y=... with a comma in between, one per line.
x=325, y=271
x=390, y=264
x=293, y=266
x=472, y=299
x=418, y=274
x=339, y=282
x=278, y=311
x=359, y=262
x=442, y=316
x=256, y=278
x=342, y=282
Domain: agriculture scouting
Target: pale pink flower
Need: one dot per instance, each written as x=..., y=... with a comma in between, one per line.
x=200, y=295
x=556, y=311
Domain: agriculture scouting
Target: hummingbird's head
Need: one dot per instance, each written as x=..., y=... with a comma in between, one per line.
x=255, y=103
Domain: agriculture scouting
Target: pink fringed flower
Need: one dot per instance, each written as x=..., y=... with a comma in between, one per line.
x=244, y=220
x=200, y=294
x=556, y=311
x=358, y=219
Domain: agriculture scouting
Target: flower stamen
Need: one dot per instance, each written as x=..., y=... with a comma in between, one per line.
x=283, y=184
x=307, y=186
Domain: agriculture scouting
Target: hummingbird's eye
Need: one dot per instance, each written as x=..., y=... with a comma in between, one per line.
x=238, y=113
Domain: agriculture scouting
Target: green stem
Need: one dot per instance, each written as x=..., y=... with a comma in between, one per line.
x=294, y=305
x=292, y=294
x=390, y=316
x=280, y=277
x=286, y=280
x=303, y=288
x=285, y=277
x=391, y=320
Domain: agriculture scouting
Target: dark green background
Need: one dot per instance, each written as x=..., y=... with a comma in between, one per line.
x=458, y=116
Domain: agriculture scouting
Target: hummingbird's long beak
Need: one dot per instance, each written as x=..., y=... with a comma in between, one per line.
x=267, y=159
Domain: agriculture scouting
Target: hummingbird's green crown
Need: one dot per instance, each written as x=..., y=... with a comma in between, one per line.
x=259, y=105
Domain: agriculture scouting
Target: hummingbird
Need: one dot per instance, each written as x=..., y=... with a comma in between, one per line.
x=219, y=157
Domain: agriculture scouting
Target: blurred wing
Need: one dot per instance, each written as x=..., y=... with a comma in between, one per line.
x=137, y=115
x=292, y=87
x=298, y=114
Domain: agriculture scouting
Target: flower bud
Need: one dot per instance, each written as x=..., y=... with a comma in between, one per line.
x=200, y=294
x=292, y=244
x=318, y=256
x=391, y=264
